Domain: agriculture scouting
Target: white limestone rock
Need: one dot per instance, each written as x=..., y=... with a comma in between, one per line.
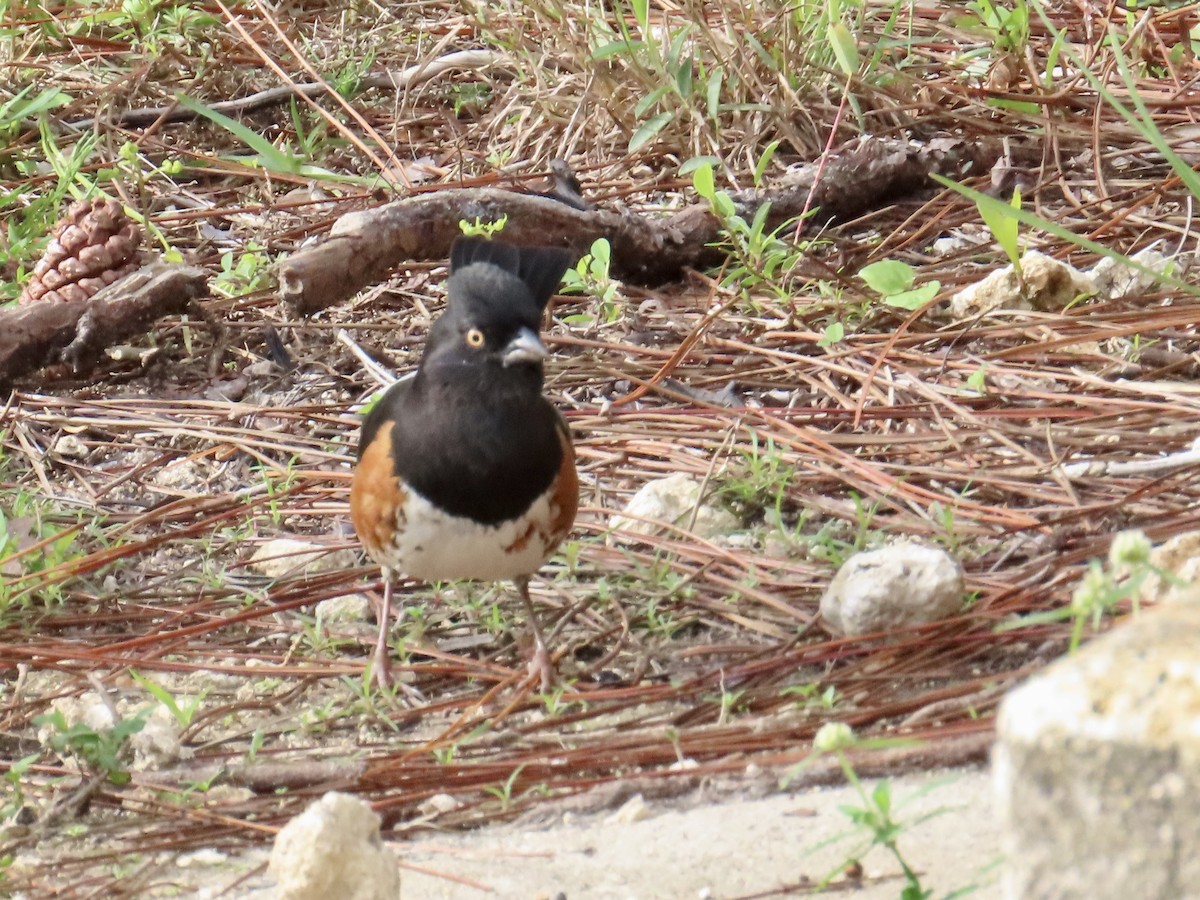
x=895, y=586
x=671, y=501
x=1097, y=764
x=1048, y=285
x=348, y=609
x=333, y=849
x=289, y=557
x=1114, y=279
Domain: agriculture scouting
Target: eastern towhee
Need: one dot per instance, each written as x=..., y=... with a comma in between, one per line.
x=465, y=470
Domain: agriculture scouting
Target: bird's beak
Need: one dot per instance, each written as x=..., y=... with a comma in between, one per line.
x=525, y=347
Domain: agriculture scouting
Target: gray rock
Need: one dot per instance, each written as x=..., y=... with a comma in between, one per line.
x=1097, y=765
x=902, y=584
x=333, y=849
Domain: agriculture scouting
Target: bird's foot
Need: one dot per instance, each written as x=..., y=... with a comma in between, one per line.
x=541, y=668
x=381, y=668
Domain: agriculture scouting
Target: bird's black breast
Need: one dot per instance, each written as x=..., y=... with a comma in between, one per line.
x=483, y=450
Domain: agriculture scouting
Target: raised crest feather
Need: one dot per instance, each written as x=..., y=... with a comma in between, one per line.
x=541, y=268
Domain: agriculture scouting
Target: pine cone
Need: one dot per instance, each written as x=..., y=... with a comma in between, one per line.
x=92, y=247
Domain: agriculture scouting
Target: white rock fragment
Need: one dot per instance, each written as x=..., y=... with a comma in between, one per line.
x=439, y=803
x=347, y=609
x=632, y=810
x=1048, y=285
x=88, y=709
x=893, y=587
x=948, y=246
x=206, y=856
x=157, y=745
x=1114, y=279
x=288, y=557
x=184, y=475
x=671, y=501
x=333, y=849
x=70, y=447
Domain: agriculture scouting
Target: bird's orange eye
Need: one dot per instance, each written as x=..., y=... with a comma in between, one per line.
x=475, y=338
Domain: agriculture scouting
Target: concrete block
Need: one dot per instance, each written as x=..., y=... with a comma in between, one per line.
x=1097, y=767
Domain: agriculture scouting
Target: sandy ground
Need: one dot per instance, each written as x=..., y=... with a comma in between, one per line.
x=692, y=848
x=723, y=850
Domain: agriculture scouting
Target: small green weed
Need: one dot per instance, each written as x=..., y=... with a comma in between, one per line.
x=30, y=546
x=810, y=696
x=100, y=751
x=762, y=258
x=1104, y=589
x=182, y=714
x=504, y=792
x=243, y=274
x=480, y=228
x=873, y=820
x=591, y=276
x=14, y=792
x=759, y=481
x=893, y=281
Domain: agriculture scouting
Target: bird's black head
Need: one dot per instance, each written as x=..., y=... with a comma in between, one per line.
x=497, y=293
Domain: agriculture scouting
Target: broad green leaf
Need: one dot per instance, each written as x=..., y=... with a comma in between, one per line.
x=764, y=160
x=685, y=78
x=723, y=204
x=760, y=219
x=888, y=276
x=647, y=103
x=691, y=165
x=713, y=93
x=702, y=181
x=914, y=299
x=641, y=12
x=832, y=334
x=882, y=796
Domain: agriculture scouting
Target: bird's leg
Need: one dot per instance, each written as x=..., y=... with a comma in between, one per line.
x=381, y=664
x=539, y=664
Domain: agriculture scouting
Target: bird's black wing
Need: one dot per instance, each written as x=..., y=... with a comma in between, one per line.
x=384, y=410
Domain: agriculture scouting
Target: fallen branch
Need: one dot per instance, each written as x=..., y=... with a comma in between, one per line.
x=263, y=778
x=365, y=246
x=77, y=332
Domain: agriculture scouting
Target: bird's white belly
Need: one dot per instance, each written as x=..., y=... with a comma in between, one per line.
x=432, y=545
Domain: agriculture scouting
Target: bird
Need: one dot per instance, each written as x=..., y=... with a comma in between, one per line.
x=465, y=470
